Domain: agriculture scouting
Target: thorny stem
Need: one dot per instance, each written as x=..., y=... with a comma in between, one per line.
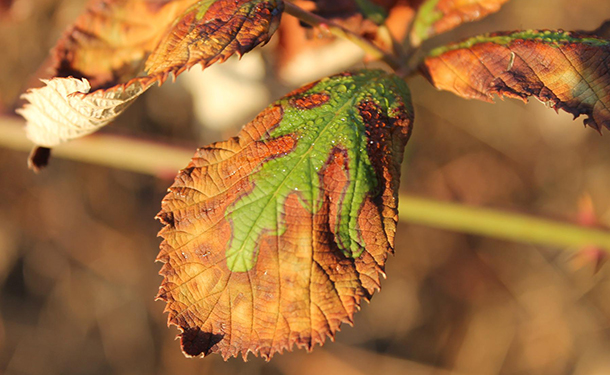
x=341, y=32
x=161, y=160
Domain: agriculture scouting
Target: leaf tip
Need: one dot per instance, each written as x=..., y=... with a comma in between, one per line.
x=39, y=158
x=197, y=343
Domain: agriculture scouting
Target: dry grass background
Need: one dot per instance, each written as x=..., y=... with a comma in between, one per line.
x=77, y=242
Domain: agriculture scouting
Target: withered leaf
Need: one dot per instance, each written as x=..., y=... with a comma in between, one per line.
x=438, y=16
x=118, y=48
x=109, y=43
x=274, y=237
x=566, y=70
x=65, y=109
x=212, y=31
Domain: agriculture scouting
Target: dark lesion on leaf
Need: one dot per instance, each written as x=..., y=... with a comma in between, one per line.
x=196, y=342
x=381, y=132
x=39, y=158
x=166, y=218
x=309, y=101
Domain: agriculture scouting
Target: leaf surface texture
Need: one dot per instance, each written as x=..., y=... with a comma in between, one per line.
x=118, y=48
x=566, y=70
x=438, y=16
x=274, y=237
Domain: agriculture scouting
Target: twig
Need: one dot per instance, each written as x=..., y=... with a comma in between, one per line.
x=131, y=154
x=498, y=224
x=161, y=160
x=341, y=32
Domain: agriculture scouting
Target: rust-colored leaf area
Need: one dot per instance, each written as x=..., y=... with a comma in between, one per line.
x=119, y=48
x=273, y=238
x=456, y=12
x=213, y=31
x=566, y=70
x=110, y=41
x=438, y=16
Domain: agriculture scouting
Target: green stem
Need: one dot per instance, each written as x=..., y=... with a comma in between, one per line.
x=341, y=32
x=161, y=160
x=499, y=224
x=131, y=154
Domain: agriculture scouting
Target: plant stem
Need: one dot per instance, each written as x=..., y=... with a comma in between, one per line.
x=131, y=154
x=341, y=32
x=499, y=224
x=161, y=160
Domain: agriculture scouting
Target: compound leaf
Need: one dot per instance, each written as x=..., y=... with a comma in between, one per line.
x=118, y=48
x=566, y=70
x=438, y=16
x=274, y=237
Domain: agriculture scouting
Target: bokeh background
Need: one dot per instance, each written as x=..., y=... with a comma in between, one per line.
x=78, y=241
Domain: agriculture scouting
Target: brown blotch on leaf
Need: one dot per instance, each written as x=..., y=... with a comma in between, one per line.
x=196, y=342
x=39, y=158
x=386, y=138
x=310, y=101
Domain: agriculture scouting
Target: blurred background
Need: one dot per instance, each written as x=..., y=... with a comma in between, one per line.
x=78, y=241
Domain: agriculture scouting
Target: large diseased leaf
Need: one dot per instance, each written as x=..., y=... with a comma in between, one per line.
x=274, y=237
x=438, y=16
x=566, y=70
x=119, y=48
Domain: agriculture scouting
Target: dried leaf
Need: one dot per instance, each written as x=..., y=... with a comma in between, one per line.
x=438, y=16
x=274, y=237
x=100, y=60
x=213, y=30
x=603, y=31
x=566, y=70
x=64, y=109
x=109, y=43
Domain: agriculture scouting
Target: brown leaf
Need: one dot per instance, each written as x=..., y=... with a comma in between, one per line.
x=226, y=27
x=438, y=16
x=566, y=70
x=274, y=237
x=99, y=63
x=109, y=43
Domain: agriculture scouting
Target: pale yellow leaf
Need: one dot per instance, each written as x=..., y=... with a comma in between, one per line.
x=64, y=109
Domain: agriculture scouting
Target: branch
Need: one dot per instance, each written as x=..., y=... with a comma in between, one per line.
x=499, y=224
x=341, y=32
x=131, y=154
x=161, y=160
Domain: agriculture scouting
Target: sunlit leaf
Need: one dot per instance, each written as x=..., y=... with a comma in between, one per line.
x=274, y=237
x=109, y=43
x=603, y=31
x=118, y=49
x=566, y=70
x=65, y=109
x=437, y=16
x=213, y=30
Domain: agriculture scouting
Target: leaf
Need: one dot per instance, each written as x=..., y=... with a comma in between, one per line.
x=438, y=16
x=109, y=43
x=274, y=237
x=213, y=30
x=566, y=70
x=602, y=32
x=64, y=109
x=100, y=61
